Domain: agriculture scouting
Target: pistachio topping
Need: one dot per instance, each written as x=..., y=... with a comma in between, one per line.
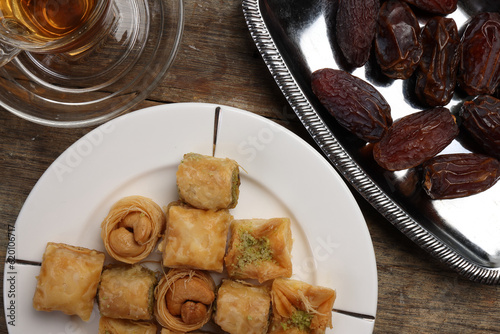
x=299, y=319
x=253, y=250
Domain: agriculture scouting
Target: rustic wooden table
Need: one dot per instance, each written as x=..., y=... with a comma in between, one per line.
x=219, y=63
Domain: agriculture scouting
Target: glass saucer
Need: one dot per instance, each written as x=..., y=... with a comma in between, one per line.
x=65, y=90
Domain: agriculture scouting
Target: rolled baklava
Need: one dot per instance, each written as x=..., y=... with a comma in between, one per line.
x=124, y=326
x=68, y=280
x=127, y=292
x=242, y=307
x=259, y=249
x=132, y=228
x=184, y=300
x=299, y=307
x=195, y=238
x=207, y=182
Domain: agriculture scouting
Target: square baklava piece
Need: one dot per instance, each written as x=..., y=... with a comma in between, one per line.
x=259, y=249
x=195, y=238
x=68, y=280
x=242, y=307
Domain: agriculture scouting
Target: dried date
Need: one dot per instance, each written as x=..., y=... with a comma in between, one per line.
x=353, y=102
x=415, y=138
x=436, y=74
x=479, y=71
x=458, y=175
x=397, y=40
x=481, y=120
x=435, y=6
x=355, y=29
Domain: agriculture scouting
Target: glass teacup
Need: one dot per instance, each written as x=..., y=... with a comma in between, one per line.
x=51, y=26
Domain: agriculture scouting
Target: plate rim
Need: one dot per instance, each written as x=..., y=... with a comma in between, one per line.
x=342, y=161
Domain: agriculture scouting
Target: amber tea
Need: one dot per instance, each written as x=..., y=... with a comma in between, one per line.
x=42, y=22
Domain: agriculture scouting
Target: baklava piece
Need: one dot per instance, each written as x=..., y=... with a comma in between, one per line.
x=127, y=292
x=168, y=331
x=207, y=182
x=132, y=228
x=124, y=326
x=242, y=308
x=68, y=280
x=299, y=307
x=260, y=249
x=184, y=300
x=195, y=238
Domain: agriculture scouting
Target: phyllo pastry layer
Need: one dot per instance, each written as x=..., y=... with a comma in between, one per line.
x=68, y=280
x=299, y=307
x=259, y=249
x=127, y=292
x=207, y=182
x=242, y=308
x=195, y=238
x=124, y=326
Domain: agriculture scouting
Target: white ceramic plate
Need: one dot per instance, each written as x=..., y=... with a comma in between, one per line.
x=138, y=154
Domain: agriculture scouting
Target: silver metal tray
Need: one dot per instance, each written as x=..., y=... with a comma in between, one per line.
x=294, y=39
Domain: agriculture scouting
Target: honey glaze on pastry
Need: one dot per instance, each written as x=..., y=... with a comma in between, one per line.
x=299, y=307
x=132, y=228
x=123, y=326
x=207, y=182
x=184, y=300
x=68, y=280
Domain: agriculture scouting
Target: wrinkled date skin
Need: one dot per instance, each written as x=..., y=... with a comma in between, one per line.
x=458, y=175
x=397, y=40
x=355, y=29
x=481, y=120
x=415, y=138
x=435, y=6
x=353, y=102
x=479, y=71
x=437, y=71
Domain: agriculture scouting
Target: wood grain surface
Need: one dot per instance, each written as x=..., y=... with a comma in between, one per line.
x=219, y=63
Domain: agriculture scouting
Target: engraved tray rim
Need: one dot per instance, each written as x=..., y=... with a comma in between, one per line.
x=341, y=160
